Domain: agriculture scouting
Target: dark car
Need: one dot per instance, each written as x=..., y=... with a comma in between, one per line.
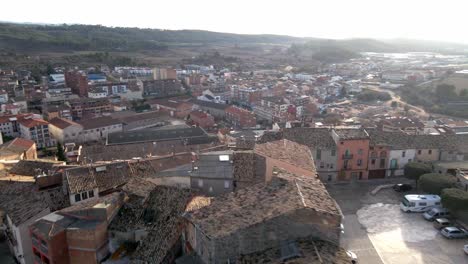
x=402, y=187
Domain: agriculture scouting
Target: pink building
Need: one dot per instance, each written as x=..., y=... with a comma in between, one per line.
x=353, y=153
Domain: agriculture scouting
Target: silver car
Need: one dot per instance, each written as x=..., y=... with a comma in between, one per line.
x=454, y=232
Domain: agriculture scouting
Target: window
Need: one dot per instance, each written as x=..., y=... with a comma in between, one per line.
x=373, y=161
x=77, y=197
x=360, y=151
x=382, y=163
x=84, y=196
x=403, y=154
x=200, y=183
x=422, y=204
x=333, y=152
x=91, y=194
x=319, y=154
x=383, y=154
x=331, y=165
x=322, y=165
x=329, y=177
x=226, y=184
x=373, y=154
x=419, y=152
x=360, y=175
x=430, y=151
x=359, y=162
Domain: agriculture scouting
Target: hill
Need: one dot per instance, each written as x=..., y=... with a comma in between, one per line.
x=30, y=37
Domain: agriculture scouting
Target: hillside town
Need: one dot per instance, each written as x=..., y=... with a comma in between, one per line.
x=203, y=164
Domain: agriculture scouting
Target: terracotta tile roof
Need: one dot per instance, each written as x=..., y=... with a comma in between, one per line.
x=258, y=203
x=21, y=201
x=32, y=122
x=311, y=137
x=17, y=145
x=160, y=214
x=105, y=177
x=62, y=123
x=33, y=167
x=289, y=152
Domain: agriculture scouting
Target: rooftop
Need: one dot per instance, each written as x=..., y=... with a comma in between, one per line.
x=287, y=151
x=351, y=133
x=309, y=251
x=210, y=104
x=157, y=135
x=62, y=123
x=32, y=122
x=98, y=122
x=261, y=202
x=18, y=145
x=34, y=167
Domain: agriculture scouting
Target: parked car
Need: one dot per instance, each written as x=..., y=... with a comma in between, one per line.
x=402, y=187
x=434, y=213
x=454, y=232
x=465, y=248
x=440, y=223
x=352, y=256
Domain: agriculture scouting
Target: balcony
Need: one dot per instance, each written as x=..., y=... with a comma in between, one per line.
x=347, y=156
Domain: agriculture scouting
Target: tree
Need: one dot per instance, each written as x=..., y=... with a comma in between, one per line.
x=434, y=183
x=394, y=104
x=60, y=153
x=455, y=199
x=414, y=170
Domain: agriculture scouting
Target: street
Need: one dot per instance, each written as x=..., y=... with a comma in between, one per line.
x=378, y=232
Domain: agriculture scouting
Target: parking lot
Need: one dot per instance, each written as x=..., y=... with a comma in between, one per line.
x=378, y=232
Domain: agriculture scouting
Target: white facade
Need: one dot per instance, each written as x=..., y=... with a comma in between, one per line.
x=97, y=94
x=68, y=134
x=84, y=196
x=398, y=159
x=96, y=134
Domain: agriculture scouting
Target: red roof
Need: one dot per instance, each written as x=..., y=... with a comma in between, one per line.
x=21, y=143
x=33, y=122
x=62, y=123
x=199, y=114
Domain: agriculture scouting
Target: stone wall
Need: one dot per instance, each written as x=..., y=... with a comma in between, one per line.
x=298, y=224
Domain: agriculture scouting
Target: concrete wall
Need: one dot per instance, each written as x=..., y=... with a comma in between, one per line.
x=329, y=162
x=359, y=149
x=99, y=133
x=427, y=155
x=84, y=243
x=69, y=134
x=257, y=237
x=397, y=154
x=451, y=156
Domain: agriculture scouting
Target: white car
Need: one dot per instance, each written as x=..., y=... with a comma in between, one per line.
x=352, y=256
x=465, y=248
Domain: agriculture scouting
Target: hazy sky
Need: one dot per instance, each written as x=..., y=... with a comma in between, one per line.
x=416, y=19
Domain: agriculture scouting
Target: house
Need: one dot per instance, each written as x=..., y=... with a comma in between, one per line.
x=214, y=109
x=77, y=81
x=64, y=130
x=261, y=217
x=411, y=126
x=152, y=219
x=322, y=147
x=286, y=155
x=23, y=201
x=36, y=130
x=52, y=111
x=212, y=173
x=95, y=129
x=239, y=117
x=162, y=88
x=91, y=182
x=176, y=108
x=85, y=107
x=77, y=234
x=18, y=149
x=352, y=147
x=201, y=119
x=9, y=124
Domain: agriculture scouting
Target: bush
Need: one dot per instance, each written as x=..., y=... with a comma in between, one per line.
x=414, y=170
x=455, y=199
x=434, y=183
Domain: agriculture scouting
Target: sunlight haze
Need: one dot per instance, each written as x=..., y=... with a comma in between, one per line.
x=429, y=20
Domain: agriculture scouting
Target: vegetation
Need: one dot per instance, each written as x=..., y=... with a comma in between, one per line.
x=414, y=170
x=439, y=100
x=60, y=153
x=394, y=104
x=434, y=183
x=369, y=95
x=99, y=38
x=455, y=199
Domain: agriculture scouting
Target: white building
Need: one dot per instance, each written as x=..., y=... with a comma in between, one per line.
x=398, y=158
